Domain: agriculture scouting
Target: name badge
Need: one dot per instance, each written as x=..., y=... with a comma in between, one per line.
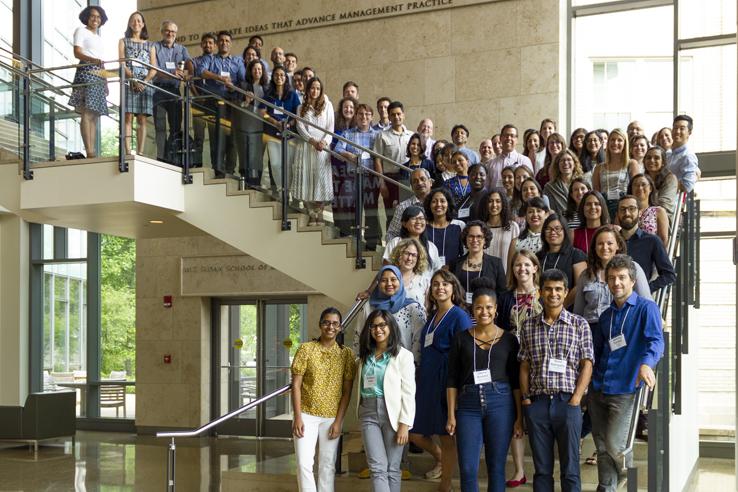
x=557, y=366
x=428, y=340
x=617, y=343
x=442, y=260
x=170, y=65
x=225, y=74
x=613, y=194
x=278, y=112
x=464, y=213
x=482, y=377
x=365, y=156
x=469, y=297
x=370, y=382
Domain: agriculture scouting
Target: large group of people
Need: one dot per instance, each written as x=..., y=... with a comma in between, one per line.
x=516, y=296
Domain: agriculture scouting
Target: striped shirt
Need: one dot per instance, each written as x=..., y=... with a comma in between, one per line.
x=568, y=338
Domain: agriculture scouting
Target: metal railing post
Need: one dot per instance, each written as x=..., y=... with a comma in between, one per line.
x=171, y=466
x=122, y=163
x=52, y=129
x=285, y=179
x=218, y=165
x=697, y=246
x=187, y=143
x=27, y=173
x=358, y=212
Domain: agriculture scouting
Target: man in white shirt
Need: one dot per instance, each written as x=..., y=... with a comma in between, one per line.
x=392, y=144
x=425, y=129
x=508, y=157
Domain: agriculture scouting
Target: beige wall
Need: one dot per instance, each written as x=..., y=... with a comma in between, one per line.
x=178, y=394
x=484, y=64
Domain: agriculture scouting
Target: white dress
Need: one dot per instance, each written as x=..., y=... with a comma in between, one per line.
x=312, y=176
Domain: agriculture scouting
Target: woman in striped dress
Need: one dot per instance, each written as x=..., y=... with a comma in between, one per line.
x=139, y=97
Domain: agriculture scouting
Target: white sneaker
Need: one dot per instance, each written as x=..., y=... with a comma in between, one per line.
x=434, y=473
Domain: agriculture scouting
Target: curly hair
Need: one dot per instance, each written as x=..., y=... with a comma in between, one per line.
x=556, y=172
x=485, y=231
x=505, y=213
x=421, y=265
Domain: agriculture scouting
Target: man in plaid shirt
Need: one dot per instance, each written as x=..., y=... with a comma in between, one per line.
x=556, y=358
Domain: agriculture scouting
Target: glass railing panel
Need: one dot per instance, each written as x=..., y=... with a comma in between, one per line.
x=10, y=111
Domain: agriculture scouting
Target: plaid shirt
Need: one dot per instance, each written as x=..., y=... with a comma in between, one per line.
x=569, y=337
x=364, y=139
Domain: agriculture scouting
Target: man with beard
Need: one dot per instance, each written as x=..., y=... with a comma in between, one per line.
x=646, y=249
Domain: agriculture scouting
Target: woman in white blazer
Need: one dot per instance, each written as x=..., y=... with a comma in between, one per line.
x=386, y=398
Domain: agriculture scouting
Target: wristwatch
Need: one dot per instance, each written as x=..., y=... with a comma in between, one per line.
x=525, y=397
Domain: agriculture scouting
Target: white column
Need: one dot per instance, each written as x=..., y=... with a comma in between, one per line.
x=14, y=323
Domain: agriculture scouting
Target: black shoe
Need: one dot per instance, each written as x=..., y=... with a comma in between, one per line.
x=413, y=448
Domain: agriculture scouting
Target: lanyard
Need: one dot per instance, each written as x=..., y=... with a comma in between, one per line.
x=489, y=352
x=622, y=325
x=550, y=351
x=545, y=260
x=437, y=324
x=468, y=197
x=433, y=239
x=460, y=190
x=467, y=278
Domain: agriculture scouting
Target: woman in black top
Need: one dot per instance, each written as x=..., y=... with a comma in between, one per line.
x=557, y=252
x=476, y=263
x=483, y=393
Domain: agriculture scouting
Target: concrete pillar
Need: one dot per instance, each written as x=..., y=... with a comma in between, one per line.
x=14, y=331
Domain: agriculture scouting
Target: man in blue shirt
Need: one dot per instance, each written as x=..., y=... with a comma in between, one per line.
x=628, y=344
x=196, y=66
x=170, y=58
x=646, y=249
x=226, y=72
x=460, y=137
x=681, y=161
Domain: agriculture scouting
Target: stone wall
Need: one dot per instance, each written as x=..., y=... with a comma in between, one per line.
x=483, y=63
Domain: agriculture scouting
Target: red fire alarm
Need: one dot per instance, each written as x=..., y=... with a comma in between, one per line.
x=167, y=359
x=167, y=301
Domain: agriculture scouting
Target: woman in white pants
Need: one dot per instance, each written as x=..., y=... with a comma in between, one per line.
x=322, y=378
x=387, y=398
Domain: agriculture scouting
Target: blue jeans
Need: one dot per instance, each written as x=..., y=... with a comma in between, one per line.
x=485, y=414
x=550, y=420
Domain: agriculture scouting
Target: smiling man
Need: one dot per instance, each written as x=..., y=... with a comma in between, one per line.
x=508, y=157
x=628, y=343
x=169, y=57
x=555, y=368
x=681, y=161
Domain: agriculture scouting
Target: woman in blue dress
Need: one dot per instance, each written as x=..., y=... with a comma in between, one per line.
x=446, y=318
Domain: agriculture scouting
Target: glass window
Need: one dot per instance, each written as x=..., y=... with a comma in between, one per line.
x=716, y=333
x=118, y=326
x=700, y=18
x=707, y=92
x=76, y=243
x=6, y=25
x=622, y=69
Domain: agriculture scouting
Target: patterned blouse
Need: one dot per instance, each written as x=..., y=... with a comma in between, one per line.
x=323, y=370
x=647, y=220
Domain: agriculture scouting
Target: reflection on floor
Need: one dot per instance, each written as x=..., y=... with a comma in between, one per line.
x=123, y=462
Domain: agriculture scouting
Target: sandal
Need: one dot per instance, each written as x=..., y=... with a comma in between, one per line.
x=592, y=460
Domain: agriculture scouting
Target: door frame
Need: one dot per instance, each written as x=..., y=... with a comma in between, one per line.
x=259, y=427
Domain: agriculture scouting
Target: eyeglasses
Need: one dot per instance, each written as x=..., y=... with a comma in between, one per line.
x=330, y=324
x=408, y=254
x=475, y=237
x=169, y=31
x=379, y=326
x=557, y=230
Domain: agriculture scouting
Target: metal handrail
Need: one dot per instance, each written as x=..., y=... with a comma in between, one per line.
x=228, y=416
x=662, y=298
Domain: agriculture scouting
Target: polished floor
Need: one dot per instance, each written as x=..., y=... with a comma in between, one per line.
x=123, y=462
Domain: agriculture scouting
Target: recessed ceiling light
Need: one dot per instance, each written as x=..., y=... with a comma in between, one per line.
x=156, y=222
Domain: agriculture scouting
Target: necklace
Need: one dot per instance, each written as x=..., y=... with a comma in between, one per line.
x=473, y=266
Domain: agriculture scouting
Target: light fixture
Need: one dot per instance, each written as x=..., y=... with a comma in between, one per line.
x=156, y=222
